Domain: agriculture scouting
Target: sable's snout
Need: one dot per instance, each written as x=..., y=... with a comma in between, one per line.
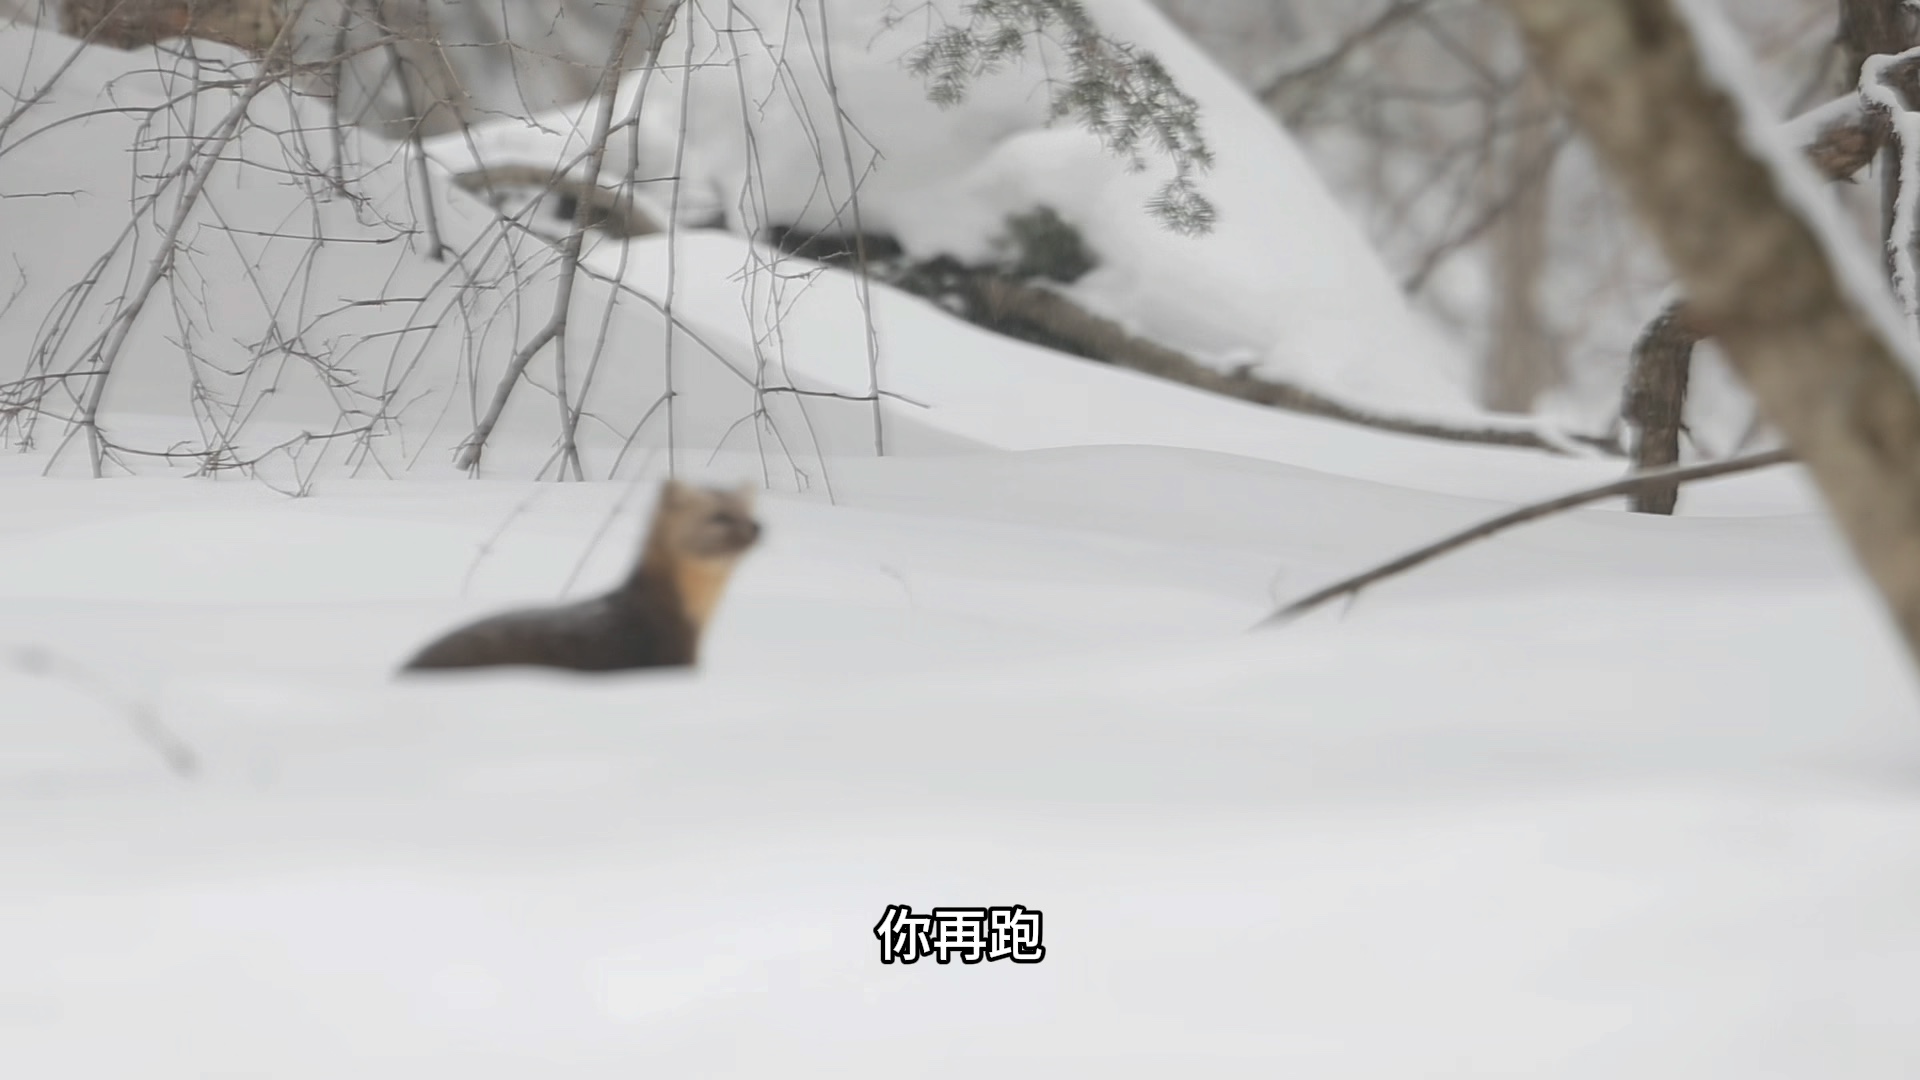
x=747, y=532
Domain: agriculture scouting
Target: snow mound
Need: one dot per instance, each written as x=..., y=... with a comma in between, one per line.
x=307, y=324
x=1285, y=285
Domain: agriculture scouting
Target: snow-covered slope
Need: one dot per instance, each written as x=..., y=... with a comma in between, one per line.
x=337, y=320
x=1286, y=283
x=341, y=324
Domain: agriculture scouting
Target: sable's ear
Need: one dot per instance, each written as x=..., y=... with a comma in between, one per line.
x=745, y=491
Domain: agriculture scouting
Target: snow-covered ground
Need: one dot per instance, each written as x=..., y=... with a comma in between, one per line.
x=1605, y=796
x=1610, y=796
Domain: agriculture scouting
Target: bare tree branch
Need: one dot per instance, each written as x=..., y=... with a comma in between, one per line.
x=1630, y=485
x=864, y=279
x=162, y=264
x=555, y=330
x=1271, y=87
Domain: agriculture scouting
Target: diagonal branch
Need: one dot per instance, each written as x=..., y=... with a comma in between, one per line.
x=1081, y=331
x=1630, y=485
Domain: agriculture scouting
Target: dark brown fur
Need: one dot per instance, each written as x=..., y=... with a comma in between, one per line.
x=653, y=619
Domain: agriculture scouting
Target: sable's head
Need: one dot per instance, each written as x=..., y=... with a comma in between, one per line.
x=705, y=523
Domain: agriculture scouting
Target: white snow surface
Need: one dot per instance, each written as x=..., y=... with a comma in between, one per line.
x=1611, y=796
x=1604, y=796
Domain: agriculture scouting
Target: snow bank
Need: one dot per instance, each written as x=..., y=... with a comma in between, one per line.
x=1286, y=284
x=311, y=312
x=317, y=320
x=304, y=312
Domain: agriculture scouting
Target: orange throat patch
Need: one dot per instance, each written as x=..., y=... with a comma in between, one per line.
x=700, y=583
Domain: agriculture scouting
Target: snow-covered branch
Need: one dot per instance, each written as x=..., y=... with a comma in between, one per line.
x=1103, y=339
x=1881, y=80
x=1119, y=91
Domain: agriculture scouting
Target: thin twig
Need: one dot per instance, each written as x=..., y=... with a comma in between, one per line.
x=555, y=329
x=179, y=757
x=669, y=333
x=1270, y=86
x=1629, y=485
x=436, y=248
x=162, y=263
x=864, y=280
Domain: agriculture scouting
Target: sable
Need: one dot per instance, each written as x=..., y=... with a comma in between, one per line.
x=652, y=619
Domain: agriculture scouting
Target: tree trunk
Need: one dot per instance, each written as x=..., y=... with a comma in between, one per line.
x=1758, y=278
x=1656, y=403
x=1524, y=361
